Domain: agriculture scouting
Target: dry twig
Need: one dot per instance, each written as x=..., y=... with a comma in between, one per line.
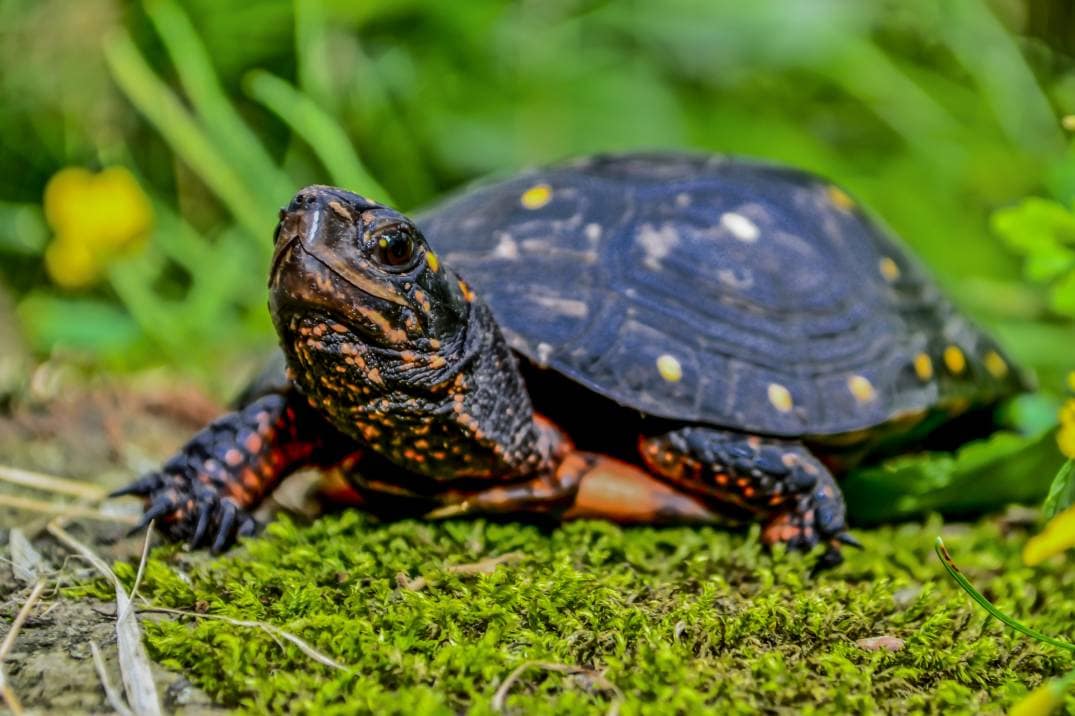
x=270, y=629
x=113, y=696
x=64, y=508
x=597, y=678
x=52, y=483
x=485, y=566
x=10, y=699
x=141, y=565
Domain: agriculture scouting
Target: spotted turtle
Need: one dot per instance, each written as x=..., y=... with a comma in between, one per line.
x=645, y=338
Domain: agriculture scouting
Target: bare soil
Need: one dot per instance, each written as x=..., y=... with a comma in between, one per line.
x=105, y=434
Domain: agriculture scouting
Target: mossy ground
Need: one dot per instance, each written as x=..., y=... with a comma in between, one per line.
x=678, y=619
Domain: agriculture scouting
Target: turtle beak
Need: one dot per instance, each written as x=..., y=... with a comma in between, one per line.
x=285, y=236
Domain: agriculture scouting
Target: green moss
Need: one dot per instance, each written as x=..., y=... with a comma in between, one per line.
x=677, y=619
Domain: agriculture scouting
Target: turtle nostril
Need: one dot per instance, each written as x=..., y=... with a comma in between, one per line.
x=308, y=199
x=302, y=200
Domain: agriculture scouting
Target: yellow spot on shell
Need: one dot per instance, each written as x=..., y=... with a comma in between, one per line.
x=923, y=367
x=996, y=365
x=669, y=368
x=861, y=388
x=780, y=397
x=954, y=360
x=536, y=196
x=889, y=269
x=432, y=261
x=840, y=198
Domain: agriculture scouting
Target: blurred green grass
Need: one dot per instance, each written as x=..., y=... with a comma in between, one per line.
x=937, y=115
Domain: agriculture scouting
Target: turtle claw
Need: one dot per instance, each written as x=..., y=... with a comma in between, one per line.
x=188, y=509
x=235, y=523
x=248, y=527
x=162, y=506
x=202, y=527
x=850, y=541
x=817, y=519
x=228, y=513
x=142, y=486
x=831, y=557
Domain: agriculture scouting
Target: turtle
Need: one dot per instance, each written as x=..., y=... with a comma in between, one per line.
x=648, y=338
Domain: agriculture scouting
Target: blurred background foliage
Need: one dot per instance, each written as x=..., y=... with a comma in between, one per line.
x=947, y=119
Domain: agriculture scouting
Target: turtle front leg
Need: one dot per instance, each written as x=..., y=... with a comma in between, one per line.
x=779, y=482
x=213, y=483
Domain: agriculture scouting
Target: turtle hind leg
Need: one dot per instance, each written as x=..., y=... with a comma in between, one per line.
x=587, y=486
x=779, y=482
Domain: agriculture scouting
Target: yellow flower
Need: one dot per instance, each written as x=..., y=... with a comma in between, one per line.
x=94, y=217
x=1041, y=701
x=1065, y=437
x=1057, y=536
x=71, y=263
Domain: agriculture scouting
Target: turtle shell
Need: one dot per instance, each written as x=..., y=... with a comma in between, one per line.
x=714, y=290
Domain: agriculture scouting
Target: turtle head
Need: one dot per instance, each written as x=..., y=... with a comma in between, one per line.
x=392, y=347
x=353, y=266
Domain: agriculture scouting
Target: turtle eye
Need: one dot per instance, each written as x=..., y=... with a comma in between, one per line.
x=395, y=246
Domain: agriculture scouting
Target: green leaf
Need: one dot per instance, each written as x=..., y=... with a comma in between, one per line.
x=1003, y=75
x=53, y=321
x=194, y=68
x=1030, y=414
x=187, y=138
x=1062, y=493
x=318, y=129
x=982, y=475
x=1049, y=263
x=22, y=229
x=1035, y=225
x=1062, y=294
x=955, y=573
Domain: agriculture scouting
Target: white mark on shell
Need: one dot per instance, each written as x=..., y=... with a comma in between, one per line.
x=571, y=307
x=740, y=226
x=656, y=243
x=544, y=352
x=741, y=279
x=506, y=248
